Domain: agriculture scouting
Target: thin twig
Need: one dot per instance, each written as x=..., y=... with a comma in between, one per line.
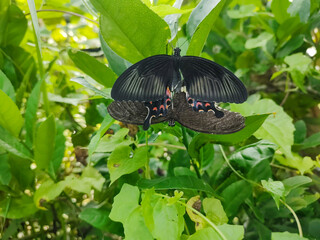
x=295, y=217
x=162, y=145
x=66, y=12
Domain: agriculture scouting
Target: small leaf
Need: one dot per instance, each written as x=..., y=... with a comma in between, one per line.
x=97, y=217
x=6, y=86
x=120, y=162
x=300, y=7
x=125, y=203
x=86, y=84
x=44, y=143
x=293, y=44
x=260, y=41
x=300, y=132
x=242, y=12
x=275, y=188
x=312, y=141
x=199, y=221
x=10, y=117
x=279, y=9
x=179, y=182
x=59, y=147
x=303, y=164
x=294, y=182
x=286, y=236
x=214, y=211
x=93, y=68
x=233, y=198
x=109, y=143
x=234, y=232
x=298, y=61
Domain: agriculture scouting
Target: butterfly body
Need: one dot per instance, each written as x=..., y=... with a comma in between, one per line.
x=174, y=88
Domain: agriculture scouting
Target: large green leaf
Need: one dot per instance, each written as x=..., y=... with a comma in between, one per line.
x=178, y=182
x=124, y=203
x=19, y=207
x=44, y=143
x=278, y=127
x=12, y=144
x=10, y=117
x=234, y=195
x=13, y=25
x=6, y=86
x=31, y=113
x=200, y=23
x=92, y=67
x=5, y=173
x=121, y=162
x=252, y=124
x=131, y=29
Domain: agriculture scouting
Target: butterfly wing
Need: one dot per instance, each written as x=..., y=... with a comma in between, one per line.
x=208, y=81
x=205, y=122
x=132, y=112
x=146, y=80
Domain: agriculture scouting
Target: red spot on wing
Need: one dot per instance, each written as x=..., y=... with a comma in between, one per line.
x=154, y=109
x=207, y=104
x=162, y=107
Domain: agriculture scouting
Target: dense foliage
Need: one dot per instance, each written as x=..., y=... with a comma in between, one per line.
x=70, y=171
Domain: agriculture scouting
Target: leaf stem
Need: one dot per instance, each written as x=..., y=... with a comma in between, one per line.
x=66, y=12
x=162, y=145
x=147, y=170
x=6, y=213
x=295, y=217
x=235, y=171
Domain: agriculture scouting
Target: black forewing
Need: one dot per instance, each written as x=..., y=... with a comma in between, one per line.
x=146, y=80
x=208, y=81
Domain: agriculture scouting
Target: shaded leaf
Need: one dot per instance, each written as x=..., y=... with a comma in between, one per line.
x=275, y=188
x=6, y=86
x=5, y=173
x=19, y=207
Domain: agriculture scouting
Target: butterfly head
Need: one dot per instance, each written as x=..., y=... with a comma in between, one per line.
x=177, y=52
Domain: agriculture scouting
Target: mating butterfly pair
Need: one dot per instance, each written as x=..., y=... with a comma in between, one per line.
x=174, y=88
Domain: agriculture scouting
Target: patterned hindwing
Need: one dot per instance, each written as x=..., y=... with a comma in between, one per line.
x=157, y=109
x=201, y=106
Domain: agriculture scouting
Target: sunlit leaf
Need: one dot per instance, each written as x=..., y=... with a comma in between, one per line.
x=275, y=188
x=300, y=7
x=6, y=86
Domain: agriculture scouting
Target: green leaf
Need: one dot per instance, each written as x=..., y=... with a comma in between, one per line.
x=298, y=61
x=12, y=145
x=178, y=182
x=99, y=218
x=44, y=143
x=48, y=191
x=252, y=124
x=86, y=84
x=4, y=5
x=286, y=236
x=275, y=188
x=23, y=86
x=19, y=207
x=13, y=26
x=249, y=160
x=172, y=20
x=5, y=172
x=243, y=12
x=31, y=113
x=22, y=175
x=164, y=10
x=294, y=182
x=278, y=127
x=126, y=201
x=300, y=132
x=168, y=220
x=279, y=10
x=312, y=141
x=35, y=24
x=260, y=41
x=303, y=164
x=234, y=232
x=300, y=7
x=116, y=63
x=93, y=68
x=121, y=162
x=128, y=25
x=200, y=22
x=233, y=198
x=214, y=211
x=105, y=125
x=59, y=147
x=109, y=143
x=6, y=86
x=135, y=226
x=293, y=44
x=10, y=117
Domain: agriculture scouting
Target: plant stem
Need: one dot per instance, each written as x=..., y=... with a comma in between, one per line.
x=5, y=214
x=162, y=145
x=66, y=12
x=186, y=144
x=295, y=217
x=147, y=170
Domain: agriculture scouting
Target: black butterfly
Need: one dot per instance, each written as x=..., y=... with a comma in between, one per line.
x=152, y=91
